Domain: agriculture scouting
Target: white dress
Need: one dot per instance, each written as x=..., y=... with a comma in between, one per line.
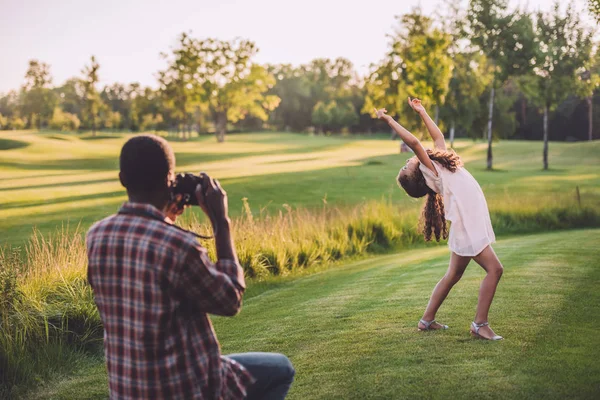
x=465, y=207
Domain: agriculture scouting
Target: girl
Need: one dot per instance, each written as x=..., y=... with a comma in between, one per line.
x=453, y=194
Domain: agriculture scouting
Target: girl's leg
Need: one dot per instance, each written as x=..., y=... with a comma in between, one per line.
x=457, y=267
x=488, y=260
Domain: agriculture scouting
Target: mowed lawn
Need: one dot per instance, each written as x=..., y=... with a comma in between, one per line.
x=351, y=331
x=48, y=180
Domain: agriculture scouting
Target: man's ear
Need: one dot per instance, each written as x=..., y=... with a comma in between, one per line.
x=122, y=180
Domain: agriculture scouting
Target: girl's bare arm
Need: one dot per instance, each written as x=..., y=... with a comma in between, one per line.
x=408, y=138
x=436, y=135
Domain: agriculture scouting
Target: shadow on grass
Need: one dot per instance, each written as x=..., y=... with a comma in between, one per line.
x=62, y=200
x=97, y=163
x=10, y=144
x=60, y=184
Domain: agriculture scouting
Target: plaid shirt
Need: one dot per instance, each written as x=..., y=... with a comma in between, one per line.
x=154, y=285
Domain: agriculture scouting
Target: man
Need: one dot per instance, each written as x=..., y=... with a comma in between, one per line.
x=154, y=286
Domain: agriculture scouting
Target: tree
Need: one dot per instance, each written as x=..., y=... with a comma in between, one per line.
x=38, y=99
x=506, y=39
x=17, y=123
x=294, y=89
x=3, y=122
x=563, y=49
x=302, y=88
x=180, y=82
x=470, y=78
x=64, y=121
x=588, y=82
x=112, y=119
x=232, y=87
x=9, y=104
x=594, y=8
x=71, y=96
x=418, y=64
x=151, y=122
x=427, y=61
x=320, y=116
x=93, y=102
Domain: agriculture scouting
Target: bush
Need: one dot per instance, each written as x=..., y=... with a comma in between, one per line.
x=64, y=121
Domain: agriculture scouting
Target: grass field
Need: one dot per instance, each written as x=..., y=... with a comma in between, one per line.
x=301, y=203
x=351, y=331
x=48, y=179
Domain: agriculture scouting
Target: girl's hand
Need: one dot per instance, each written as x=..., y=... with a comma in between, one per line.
x=380, y=113
x=172, y=209
x=416, y=105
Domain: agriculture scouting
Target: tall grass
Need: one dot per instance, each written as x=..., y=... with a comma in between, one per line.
x=47, y=312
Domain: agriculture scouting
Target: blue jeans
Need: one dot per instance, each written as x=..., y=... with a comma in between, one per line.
x=273, y=372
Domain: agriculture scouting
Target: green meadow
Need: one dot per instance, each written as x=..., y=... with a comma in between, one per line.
x=47, y=180
x=351, y=331
x=338, y=272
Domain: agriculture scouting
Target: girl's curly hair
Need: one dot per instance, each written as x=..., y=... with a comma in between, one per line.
x=433, y=220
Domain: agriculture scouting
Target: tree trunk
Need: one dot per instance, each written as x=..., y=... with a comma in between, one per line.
x=489, y=153
x=93, y=125
x=452, y=128
x=590, y=117
x=545, y=137
x=221, y=125
x=437, y=114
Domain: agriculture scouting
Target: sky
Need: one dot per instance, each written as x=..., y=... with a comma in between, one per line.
x=127, y=36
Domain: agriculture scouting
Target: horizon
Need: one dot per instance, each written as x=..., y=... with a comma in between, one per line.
x=67, y=47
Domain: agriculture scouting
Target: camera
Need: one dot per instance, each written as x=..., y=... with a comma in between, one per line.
x=185, y=185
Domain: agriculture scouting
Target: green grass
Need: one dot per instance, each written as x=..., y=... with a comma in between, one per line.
x=300, y=203
x=53, y=178
x=351, y=331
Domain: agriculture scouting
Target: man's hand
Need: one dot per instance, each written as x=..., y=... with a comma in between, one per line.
x=381, y=113
x=416, y=105
x=212, y=199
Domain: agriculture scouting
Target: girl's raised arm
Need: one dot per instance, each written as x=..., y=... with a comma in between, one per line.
x=435, y=133
x=408, y=138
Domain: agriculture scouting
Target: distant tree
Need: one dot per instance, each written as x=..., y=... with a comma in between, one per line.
x=93, y=103
x=151, y=122
x=232, y=87
x=470, y=78
x=17, y=123
x=563, y=48
x=506, y=39
x=180, y=83
x=427, y=60
x=293, y=88
x=320, y=116
x=9, y=104
x=588, y=81
x=71, y=97
x=112, y=119
x=64, y=121
x=418, y=64
x=3, y=122
x=594, y=8
x=38, y=100
x=342, y=115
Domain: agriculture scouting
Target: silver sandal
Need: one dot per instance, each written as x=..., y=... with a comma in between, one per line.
x=428, y=326
x=475, y=331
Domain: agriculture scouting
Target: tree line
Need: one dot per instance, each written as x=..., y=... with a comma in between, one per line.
x=485, y=71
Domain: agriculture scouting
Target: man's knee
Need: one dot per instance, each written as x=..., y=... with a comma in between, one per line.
x=286, y=369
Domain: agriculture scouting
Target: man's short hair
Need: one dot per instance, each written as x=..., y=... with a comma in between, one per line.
x=145, y=162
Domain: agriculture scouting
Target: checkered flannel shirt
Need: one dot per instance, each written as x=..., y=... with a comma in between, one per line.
x=154, y=286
